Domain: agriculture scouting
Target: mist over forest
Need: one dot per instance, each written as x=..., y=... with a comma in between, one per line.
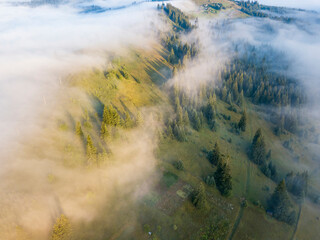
x=184, y=119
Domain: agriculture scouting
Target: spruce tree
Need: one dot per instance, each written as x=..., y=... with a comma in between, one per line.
x=91, y=152
x=61, y=229
x=186, y=117
x=258, y=148
x=111, y=116
x=104, y=132
x=197, y=123
x=243, y=122
x=170, y=132
x=224, y=94
x=79, y=131
x=199, y=198
x=210, y=112
x=115, y=117
x=179, y=116
x=223, y=178
x=280, y=204
x=215, y=156
x=106, y=115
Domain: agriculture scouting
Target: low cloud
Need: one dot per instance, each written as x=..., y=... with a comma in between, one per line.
x=39, y=46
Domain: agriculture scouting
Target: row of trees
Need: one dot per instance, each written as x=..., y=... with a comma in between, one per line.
x=221, y=178
x=222, y=175
x=179, y=51
x=253, y=8
x=250, y=75
x=178, y=17
x=280, y=206
x=261, y=157
x=187, y=115
x=111, y=120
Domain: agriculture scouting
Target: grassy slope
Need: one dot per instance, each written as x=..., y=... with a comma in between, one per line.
x=164, y=207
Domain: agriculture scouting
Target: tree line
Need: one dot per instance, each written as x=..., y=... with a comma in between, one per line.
x=111, y=120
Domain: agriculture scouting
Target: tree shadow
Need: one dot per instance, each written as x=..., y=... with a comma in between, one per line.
x=97, y=105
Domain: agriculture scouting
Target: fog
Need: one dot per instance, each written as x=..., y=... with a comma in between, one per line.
x=40, y=45
x=307, y=4
x=292, y=48
x=298, y=43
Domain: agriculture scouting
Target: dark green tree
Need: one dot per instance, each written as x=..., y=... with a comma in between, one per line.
x=280, y=204
x=199, y=197
x=197, y=123
x=170, y=132
x=215, y=156
x=243, y=122
x=186, y=118
x=258, y=148
x=223, y=178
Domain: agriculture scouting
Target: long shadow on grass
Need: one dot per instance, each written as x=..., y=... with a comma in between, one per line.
x=158, y=72
x=97, y=105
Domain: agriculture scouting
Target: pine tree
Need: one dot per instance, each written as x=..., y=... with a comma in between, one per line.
x=172, y=57
x=229, y=98
x=243, y=122
x=199, y=199
x=223, y=178
x=116, y=120
x=111, y=116
x=241, y=99
x=177, y=101
x=61, y=229
x=258, y=148
x=104, y=132
x=79, y=131
x=280, y=204
x=179, y=116
x=106, y=115
x=91, y=152
x=174, y=71
x=215, y=156
x=197, y=123
x=213, y=99
x=170, y=132
x=210, y=112
x=179, y=132
x=224, y=94
x=186, y=117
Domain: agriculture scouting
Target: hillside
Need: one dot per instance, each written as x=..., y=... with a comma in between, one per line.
x=135, y=154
